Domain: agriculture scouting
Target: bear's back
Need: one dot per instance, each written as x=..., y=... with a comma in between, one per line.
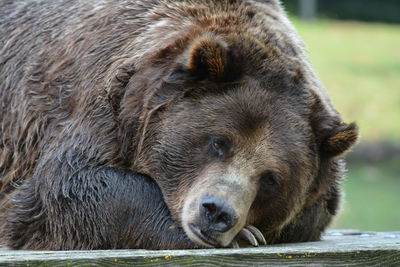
x=52, y=53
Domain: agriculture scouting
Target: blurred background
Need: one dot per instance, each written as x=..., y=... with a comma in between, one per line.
x=354, y=46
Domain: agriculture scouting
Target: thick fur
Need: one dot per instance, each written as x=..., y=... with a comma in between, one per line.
x=94, y=92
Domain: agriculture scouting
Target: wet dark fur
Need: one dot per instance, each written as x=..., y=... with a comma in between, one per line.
x=84, y=88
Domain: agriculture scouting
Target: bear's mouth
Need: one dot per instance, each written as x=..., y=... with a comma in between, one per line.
x=203, y=236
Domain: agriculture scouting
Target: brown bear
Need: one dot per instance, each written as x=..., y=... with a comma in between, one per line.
x=162, y=125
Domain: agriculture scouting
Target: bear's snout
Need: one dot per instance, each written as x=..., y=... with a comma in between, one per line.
x=216, y=215
x=217, y=206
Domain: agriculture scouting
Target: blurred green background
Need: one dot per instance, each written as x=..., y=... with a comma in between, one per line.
x=356, y=53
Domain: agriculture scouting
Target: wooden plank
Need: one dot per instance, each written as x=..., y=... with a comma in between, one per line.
x=338, y=248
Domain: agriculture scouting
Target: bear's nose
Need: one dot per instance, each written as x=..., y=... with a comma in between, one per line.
x=216, y=214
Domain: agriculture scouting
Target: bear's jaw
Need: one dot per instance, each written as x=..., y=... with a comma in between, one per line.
x=202, y=237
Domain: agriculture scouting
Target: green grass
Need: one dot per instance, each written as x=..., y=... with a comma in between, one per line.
x=359, y=63
x=372, y=198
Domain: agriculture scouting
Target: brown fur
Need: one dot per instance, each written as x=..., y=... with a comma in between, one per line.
x=93, y=92
x=207, y=58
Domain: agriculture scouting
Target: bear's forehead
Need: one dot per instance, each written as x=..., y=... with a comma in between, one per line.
x=247, y=107
x=254, y=117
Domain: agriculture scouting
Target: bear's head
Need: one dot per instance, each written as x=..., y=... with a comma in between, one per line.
x=234, y=134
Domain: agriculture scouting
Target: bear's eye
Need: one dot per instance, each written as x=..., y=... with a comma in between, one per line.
x=219, y=146
x=269, y=181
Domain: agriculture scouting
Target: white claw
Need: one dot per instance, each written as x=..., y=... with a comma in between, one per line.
x=257, y=233
x=245, y=233
x=251, y=234
x=234, y=244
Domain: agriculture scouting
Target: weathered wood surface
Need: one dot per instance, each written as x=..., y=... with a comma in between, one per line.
x=338, y=248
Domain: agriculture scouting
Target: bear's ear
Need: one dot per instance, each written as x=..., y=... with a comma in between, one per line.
x=207, y=58
x=334, y=137
x=339, y=140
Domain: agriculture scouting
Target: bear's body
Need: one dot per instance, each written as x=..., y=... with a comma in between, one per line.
x=214, y=100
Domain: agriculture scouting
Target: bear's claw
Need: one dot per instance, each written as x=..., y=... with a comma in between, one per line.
x=257, y=234
x=234, y=244
x=247, y=235
x=251, y=234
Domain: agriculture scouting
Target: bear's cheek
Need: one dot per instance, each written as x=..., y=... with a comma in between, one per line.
x=272, y=211
x=272, y=214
